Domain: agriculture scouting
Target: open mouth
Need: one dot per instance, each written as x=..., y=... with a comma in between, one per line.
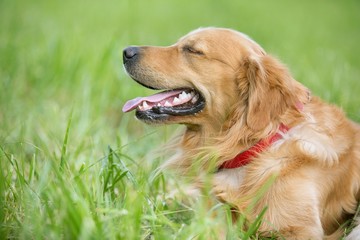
x=163, y=105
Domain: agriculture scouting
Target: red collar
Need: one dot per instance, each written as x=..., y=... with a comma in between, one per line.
x=246, y=156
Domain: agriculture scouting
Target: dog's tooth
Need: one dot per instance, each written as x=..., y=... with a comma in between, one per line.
x=192, y=93
x=189, y=96
x=176, y=100
x=194, y=99
x=159, y=105
x=146, y=106
x=167, y=104
x=182, y=96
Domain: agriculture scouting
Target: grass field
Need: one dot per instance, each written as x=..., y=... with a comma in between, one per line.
x=73, y=166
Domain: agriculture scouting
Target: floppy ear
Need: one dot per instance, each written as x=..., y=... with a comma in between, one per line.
x=271, y=90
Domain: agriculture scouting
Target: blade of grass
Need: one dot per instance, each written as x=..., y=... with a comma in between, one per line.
x=65, y=142
x=3, y=234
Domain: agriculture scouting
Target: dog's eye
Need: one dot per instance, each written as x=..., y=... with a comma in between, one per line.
x=193, y=50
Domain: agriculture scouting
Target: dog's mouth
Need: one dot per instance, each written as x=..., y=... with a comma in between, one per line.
x=163, y=105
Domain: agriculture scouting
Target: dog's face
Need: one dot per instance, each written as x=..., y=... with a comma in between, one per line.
x=203, y=77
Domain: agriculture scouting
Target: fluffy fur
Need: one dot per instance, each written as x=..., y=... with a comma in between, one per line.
x=315, y=168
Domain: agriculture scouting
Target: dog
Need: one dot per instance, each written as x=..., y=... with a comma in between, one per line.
x=250, y=122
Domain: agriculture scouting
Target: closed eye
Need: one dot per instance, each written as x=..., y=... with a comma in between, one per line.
x=192, y=50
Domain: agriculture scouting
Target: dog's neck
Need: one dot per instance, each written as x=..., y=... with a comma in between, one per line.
x=245, y=157
x=206, y=143
x=201, y=144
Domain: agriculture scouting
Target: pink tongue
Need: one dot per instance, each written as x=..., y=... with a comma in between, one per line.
x=132, y=104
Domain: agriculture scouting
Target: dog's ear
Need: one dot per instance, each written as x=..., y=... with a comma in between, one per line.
x=270, y=90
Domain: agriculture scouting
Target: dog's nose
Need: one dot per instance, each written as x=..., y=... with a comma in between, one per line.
x=129, y=53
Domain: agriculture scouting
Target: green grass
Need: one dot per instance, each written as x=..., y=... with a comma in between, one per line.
x=73, y=166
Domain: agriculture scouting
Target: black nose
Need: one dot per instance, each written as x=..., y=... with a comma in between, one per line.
x=129, y=53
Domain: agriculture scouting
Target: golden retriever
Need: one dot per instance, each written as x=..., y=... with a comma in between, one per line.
x=243, y=108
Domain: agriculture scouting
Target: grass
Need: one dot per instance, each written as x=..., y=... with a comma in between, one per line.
x=72, y=166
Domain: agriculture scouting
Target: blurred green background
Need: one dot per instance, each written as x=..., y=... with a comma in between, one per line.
x=61, y=61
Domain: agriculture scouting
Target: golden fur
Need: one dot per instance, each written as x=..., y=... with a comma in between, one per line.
x=248, y=94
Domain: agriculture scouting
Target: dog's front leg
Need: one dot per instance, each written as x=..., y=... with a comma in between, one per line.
x=226, y=184
x=292, y=209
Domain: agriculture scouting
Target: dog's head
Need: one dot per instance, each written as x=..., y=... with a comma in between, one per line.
x=209, y=76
